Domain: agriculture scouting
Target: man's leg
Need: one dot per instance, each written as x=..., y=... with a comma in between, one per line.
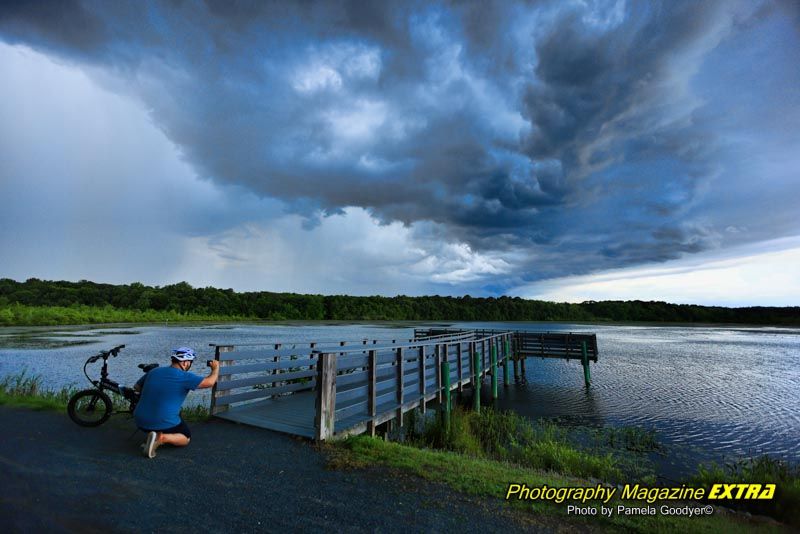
x=179, y=440
x=179, y=436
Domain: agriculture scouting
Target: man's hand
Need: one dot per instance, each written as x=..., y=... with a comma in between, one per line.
x=211, y=379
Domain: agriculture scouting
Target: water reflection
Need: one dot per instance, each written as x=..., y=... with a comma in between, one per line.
x=726, y=391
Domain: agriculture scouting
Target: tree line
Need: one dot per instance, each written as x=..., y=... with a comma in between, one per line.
x=183, y=300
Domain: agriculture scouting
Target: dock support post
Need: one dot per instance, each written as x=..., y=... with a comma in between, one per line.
x=522, y=367
x=483, y=358
x=473, y=349
x=438, y=363
x=476, y=390
x=400, y=385
x=460, y=369
x=506, y=368
x=421, y=371
x=325, y=417
x=213, y=409
x=446, y=393
x=372, y=390
x=222, y=379
x=493, y=363
x=587, y=376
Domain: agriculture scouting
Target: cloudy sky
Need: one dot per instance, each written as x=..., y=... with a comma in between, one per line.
x=567, y=150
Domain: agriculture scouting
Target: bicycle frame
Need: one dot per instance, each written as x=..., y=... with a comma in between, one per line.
x=105, y=383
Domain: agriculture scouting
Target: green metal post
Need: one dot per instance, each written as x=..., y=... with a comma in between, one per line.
x=446, y=398
x=476, y=396
x=587, y=376
x=493, y=363
x=506, y=369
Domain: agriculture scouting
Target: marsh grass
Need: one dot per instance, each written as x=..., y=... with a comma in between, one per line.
x=785, y=506
x=629, y=438
x=28, y=341
x=490, y=478
x=509, y=437
x=26, y=391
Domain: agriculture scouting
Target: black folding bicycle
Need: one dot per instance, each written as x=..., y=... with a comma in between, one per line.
x=93, y=407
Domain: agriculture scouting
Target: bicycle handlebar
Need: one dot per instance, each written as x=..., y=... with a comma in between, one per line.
x=106, y=353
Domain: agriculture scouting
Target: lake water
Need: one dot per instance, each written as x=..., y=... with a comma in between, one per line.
x=717, y=392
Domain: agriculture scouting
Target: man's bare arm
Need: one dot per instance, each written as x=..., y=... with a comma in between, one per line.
x=211, y=379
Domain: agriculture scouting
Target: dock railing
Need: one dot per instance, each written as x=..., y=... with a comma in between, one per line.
x=256, y=371
x=356, y=386
x=359, y=390
x=360, y=385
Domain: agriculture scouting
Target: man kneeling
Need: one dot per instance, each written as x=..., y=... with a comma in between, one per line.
x=163, y=391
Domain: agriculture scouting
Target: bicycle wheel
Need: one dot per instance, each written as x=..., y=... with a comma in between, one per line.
x=90, y=407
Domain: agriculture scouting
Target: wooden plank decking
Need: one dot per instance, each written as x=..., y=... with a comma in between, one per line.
x=324, y=391
x=294, y=414
x=291, y=414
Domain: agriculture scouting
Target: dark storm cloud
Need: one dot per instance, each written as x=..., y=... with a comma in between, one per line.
x=514, y=125
x=63, y=24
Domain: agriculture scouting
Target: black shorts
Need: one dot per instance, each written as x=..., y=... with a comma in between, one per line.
x=180, y=428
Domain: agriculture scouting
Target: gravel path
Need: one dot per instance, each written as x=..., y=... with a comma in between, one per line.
x=58, y=477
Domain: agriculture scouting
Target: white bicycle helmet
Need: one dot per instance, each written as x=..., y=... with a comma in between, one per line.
x=183, y=354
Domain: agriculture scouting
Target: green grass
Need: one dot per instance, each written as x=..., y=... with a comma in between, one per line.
x=484, y=477
x=482, y=453
x=26, y=391
x=785, y=506
x=507, y=436
x=195, y=413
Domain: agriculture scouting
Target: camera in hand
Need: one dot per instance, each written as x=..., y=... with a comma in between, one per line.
x=208, y=363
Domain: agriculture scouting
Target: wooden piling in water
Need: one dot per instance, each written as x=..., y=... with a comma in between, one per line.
x=587, y=376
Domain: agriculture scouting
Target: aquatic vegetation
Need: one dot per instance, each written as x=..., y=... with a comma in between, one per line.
x=26, y=390
x=490, y=478
x=41, y=341
x=630, y=438
x=758, y=470
x=507, y=436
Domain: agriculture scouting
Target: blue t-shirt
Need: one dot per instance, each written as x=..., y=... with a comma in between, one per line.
x=163, y=393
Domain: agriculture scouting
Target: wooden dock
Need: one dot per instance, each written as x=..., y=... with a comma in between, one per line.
x=326, y=390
